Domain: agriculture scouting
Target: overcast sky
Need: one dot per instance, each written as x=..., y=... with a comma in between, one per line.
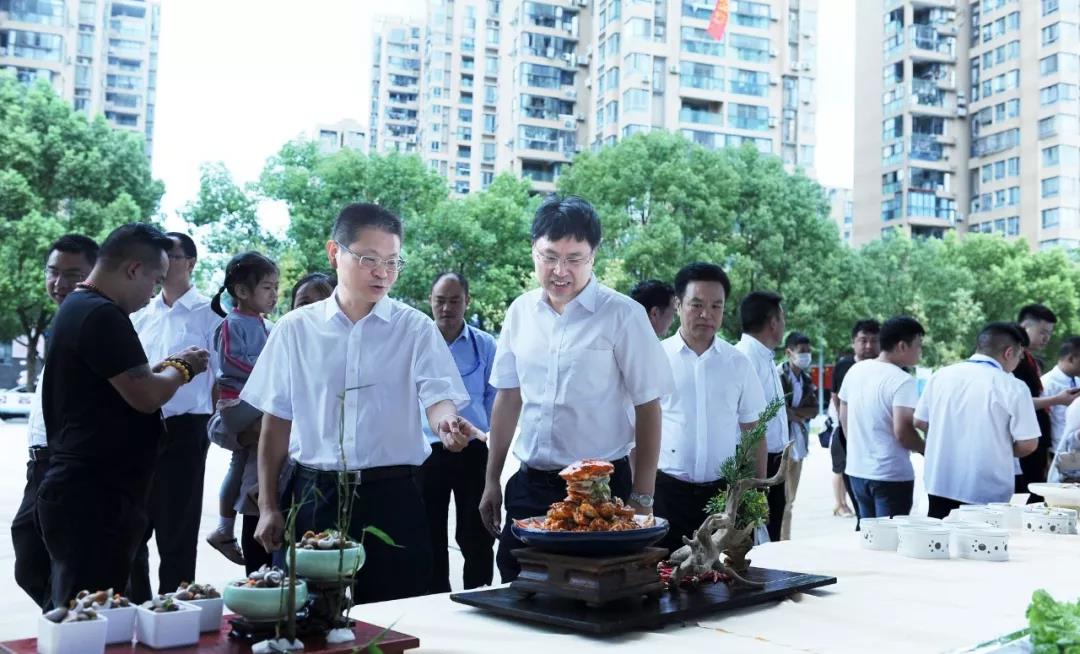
x=238, y=78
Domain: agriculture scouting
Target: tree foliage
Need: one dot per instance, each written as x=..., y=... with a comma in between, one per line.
x=59, y=172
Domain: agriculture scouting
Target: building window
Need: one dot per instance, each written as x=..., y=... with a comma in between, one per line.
x=31, y=45
x=1051, y=217
x=1057, y=92
x=750, y=14
x=749, y=48
x=488, y=150
x=696, y=41
x=635, y=100
x=701, y=76
x=747, y=116
x=750, y=82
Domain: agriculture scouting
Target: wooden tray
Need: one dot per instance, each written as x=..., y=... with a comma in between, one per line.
x=218, y=643
x=630, y=614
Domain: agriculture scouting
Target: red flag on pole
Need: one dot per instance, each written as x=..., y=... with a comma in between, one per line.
x=718, y=20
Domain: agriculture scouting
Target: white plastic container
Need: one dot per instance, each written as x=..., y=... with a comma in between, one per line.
x=172, y=629
x=86, y=637
x=210, y=618
x=121, y=624
x=923, y=541
x=879, y=534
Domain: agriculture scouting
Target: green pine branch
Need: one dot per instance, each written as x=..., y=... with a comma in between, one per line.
x=742, y=464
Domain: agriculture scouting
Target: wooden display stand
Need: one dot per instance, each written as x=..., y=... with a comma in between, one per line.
x=595, y=580
x=219, y=643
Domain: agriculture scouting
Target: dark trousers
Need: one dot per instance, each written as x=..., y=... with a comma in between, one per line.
x=90, y=530
x=529, y=493
x=255, y=555
x=1033, y=470
x=777, y=500
x=174, y=508
x=462, y=474
x=682, y=504
x=31, y=557
x=392, y=505
x=940, y=507
x=838, y=450
x=883, y=499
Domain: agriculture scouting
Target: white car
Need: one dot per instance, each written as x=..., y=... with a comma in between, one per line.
x=15, y=402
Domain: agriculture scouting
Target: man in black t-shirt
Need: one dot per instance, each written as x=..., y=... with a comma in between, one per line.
x=864, y=343
x=101, y=404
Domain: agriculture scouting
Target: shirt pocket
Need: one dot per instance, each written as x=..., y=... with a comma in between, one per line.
x=592, y=371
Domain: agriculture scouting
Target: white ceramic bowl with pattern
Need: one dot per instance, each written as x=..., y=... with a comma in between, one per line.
x=923, y=541
x=984, y=544
x=878, y=534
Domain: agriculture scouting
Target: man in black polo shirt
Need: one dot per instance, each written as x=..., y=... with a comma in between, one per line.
x=101, y=402
x=67, y=263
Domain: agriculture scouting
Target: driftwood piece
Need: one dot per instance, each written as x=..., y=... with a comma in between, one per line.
x=717, y=544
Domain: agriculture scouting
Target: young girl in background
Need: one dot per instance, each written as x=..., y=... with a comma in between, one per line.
x=251, y=280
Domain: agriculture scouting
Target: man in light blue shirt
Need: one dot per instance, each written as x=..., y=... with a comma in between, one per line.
x=460, y=473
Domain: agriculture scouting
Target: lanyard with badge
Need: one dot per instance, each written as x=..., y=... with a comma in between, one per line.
x=477, y=362
x=984, y=362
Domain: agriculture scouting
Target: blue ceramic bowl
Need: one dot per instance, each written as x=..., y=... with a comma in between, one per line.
x=591, y=542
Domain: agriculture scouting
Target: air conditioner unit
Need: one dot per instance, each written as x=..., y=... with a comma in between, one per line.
x=585, y=61
x=774, y=82
x=773, y=122
x=795, y=65
x=645, y=81
x=961, y=112
x=569, y=124
x=673, y=69
x=774, y=53
x=571, y=94
x=583, y=3
x=558, y=12
x=806, y=101
x=581, y=118
x=807, y=65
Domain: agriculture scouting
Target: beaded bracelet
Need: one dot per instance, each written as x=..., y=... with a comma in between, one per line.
x=177, y=365
x=187, y=367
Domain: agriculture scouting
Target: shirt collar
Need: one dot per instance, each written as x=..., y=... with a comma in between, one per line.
x=188, y=300
x=382, y=309
x=465, y=335
x=586, y=298
x=757, y=347
x=683, y=347
x=983, y=357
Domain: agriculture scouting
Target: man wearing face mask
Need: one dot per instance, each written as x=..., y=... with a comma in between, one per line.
x=717, y=397
x=573, y=357
x=801, y=397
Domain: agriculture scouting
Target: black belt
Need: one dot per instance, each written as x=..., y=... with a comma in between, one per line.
x=357, y=477
x=39, y=453
x=552, y=476
x=716, y=484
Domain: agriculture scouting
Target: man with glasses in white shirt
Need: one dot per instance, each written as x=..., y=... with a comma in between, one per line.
x=717, y=397
x=178, y=318
x=763, y=326
x=977, y=417
x=341, y=383
x=69, y=261
x=573, y=357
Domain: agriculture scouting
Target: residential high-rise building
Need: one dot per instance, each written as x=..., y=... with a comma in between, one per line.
x=460, y=91
x=524, y=85
x=345, y=134
x=841, y=210
x=655, y=67
x=395, y=85
x=99, y=54
x=967, y=119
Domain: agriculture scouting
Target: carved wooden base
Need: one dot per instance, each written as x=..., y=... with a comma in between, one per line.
x=595, y=580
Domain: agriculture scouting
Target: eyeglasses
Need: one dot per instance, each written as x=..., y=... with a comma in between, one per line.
x=68, y=276
x=371, y=263
x=569, y=262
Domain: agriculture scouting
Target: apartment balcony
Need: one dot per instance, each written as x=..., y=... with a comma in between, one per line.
x=931, y=4
x=928, y=45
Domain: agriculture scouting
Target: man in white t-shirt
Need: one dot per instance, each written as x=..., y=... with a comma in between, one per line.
x=717, y=397
x=977, y=417
x=1061, y=378
x=877, y=406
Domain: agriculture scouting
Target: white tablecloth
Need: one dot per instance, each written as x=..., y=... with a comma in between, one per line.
x=882, y=602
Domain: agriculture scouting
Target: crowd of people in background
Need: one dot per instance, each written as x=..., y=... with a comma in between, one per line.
x=143, y=372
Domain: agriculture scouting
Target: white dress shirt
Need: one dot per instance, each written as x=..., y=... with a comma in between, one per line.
x=1053, y=383
x=386, y=366
x=579, y=374
x=761, y=357
x=165, y=330
x=714, y=392
x=975, y=411
x=35, y=422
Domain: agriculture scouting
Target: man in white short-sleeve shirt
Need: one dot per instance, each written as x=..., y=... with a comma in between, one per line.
x=67, y=263
x=341, y=384
x=1062, y=378
x=717, y=397
x=573, y=357
x=763, y=326
x=977, y=417
x=877, y=406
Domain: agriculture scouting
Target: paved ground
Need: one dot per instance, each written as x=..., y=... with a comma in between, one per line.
x=813, y=517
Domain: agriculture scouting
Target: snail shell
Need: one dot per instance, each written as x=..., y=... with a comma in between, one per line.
x=327, y=543
x=56, y=615
x=273, y=578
